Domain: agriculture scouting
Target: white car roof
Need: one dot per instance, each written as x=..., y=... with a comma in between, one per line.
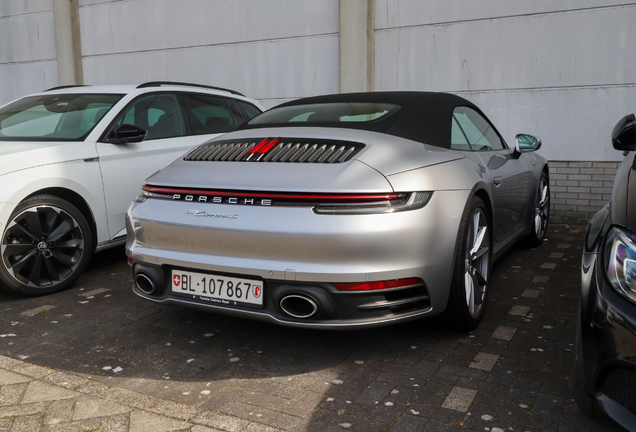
x=142, y=88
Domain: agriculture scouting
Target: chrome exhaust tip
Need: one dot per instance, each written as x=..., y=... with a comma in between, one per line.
x=145, y=284
x=299, y=306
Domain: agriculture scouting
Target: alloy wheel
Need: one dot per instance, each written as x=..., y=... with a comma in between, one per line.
x=42, y=246
x=542, y=209
x=477, y=263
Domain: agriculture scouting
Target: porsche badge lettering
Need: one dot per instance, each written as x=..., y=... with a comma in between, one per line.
x=221, y=200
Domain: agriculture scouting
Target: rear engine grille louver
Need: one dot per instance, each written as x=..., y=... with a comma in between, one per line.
x=288, y=150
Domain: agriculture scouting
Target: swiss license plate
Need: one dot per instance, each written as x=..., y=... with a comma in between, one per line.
x=218, y=289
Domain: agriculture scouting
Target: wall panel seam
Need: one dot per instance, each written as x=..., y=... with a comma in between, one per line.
x=557, y=88
x=28, y=61
x=4, y=17
x=505, y=17
x=212, y=45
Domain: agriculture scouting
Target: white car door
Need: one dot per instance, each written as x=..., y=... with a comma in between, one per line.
x=124, y=167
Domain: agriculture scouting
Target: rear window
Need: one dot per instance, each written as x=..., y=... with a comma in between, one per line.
x=338, y=112
x=57, y=117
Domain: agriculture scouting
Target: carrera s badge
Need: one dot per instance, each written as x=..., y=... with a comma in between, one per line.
x=213, y=215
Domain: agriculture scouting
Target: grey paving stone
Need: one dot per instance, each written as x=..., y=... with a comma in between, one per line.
x=504, y=332
x=261, y=415
x=459, y=399
x=7, y=377
x=37, y=310
x=90, y=407
x=519, y=310
x=144, y=422
x=375, y=393
x=484, y=361
x=531, y=293
x=94, y=292
x=409, y=423
x=39, y=392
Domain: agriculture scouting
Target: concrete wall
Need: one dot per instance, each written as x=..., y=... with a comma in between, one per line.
x=27, y=48
x=565, y=71
x=272, y=50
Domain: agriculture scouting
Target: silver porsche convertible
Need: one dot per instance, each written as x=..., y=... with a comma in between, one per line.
x=341, y=211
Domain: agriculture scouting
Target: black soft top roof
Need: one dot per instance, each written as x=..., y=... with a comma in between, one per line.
x=423, y=116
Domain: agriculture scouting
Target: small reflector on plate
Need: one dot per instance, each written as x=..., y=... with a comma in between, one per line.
x=379, y=285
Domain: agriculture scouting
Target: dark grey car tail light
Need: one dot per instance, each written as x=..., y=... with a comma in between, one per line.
x=284, y=150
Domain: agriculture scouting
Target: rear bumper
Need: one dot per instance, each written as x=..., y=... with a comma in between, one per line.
x=334, y=309
x=295, y=251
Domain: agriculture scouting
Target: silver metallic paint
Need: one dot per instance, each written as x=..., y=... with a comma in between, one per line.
x=270, y=242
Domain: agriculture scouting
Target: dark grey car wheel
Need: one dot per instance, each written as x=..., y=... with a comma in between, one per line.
x=471, y=273
x=541, y=212
x=45, y=246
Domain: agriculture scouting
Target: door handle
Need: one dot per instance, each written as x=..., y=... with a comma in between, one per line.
x=497, y=181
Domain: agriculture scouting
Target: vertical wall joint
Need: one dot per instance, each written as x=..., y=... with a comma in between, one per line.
x=67, y=42
x=356, y=45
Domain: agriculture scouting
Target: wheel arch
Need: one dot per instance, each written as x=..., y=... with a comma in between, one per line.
x=77, y=200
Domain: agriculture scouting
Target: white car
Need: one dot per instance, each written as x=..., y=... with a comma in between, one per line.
x=73, y=158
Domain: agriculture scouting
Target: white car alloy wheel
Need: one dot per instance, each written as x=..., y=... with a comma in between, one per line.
x=44, y=247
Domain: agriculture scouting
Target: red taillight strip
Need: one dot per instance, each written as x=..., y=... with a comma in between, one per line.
x=379, y=285
x=162, y=190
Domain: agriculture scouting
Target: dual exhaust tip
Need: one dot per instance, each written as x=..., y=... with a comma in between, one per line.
x=298, y=306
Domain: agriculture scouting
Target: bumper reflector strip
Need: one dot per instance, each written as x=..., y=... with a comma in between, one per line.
x=379, y=285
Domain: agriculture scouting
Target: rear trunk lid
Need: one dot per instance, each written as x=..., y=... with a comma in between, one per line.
x=302, y=159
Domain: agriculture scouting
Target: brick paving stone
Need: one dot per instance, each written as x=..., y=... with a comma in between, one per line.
x=375, y=393
x=409, y=423
x=261, y=415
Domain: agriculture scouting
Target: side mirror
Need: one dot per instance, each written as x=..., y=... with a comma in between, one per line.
x=624, y=134
x=126, y=133
x=525, y=143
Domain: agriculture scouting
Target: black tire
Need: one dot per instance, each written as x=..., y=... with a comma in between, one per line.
x=541, y=212
x=583, y=400
x=46, y=245
x=471, y=272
